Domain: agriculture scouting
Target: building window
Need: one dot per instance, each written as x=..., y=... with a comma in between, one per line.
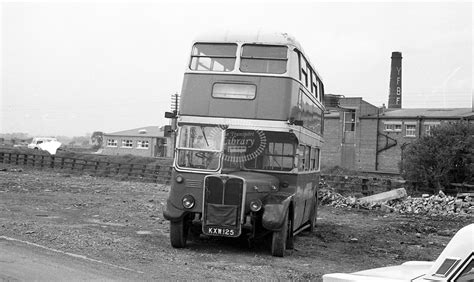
x=111, y=143
x=410, y=130
x=429, y=128
x=393, y=127
x=143, y=144
x=127, y=143
x=349, y=121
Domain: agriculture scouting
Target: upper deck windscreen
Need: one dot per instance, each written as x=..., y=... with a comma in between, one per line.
x=255, y=58
x=264, y=59
x=213, y=57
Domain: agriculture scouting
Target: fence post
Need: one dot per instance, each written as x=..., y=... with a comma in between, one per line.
x=157, y=172
x=73, y=165
x=130, y=170
x=42, y=161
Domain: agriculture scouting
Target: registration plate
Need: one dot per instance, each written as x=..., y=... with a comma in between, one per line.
x=219, y=231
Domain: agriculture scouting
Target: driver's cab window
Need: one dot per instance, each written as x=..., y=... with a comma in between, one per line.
x=200, y=137
x=199, y=147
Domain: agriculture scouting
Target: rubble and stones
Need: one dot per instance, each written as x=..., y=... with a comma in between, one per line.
x=439, y=204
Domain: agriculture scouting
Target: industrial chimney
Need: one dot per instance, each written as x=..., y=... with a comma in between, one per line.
x=395, y=95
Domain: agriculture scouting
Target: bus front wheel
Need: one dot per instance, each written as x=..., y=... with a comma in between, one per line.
x=279, y=239
x=178, y=233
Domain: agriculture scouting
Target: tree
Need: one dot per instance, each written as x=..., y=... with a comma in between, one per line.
x=442, y=158
x=80, y=140
x=97, y=139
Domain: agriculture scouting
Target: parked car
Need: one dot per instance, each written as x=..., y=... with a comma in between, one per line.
x=35, y=143
x=455, y=263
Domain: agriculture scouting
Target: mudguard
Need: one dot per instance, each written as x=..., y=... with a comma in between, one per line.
x=274, y=210
x=171, y=213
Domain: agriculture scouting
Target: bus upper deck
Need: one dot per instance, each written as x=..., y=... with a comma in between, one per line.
x=264, y=77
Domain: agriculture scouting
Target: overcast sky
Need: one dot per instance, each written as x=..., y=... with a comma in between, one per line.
x=74, y=68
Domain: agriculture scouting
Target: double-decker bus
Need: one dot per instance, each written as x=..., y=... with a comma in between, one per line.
x=249, y=134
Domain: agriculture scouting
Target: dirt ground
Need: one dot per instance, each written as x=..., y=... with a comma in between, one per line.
x=121, y=223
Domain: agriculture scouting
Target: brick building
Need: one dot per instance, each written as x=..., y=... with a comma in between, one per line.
x=147, y=141
x=359, y=136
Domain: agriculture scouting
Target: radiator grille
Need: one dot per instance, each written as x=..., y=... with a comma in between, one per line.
x=222, y=207
x=193, y=183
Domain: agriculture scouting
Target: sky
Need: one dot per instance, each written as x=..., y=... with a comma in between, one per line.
x=68, y=69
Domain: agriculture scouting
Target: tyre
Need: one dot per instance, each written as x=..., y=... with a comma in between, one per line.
x=313, y=216
x=178, y=233
x=290, y=241
x=279, y=239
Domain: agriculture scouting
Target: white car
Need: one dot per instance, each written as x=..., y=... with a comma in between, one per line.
x=455, y=263
x=37, y=141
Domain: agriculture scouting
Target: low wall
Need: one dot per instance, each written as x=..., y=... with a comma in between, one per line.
x=362, y=185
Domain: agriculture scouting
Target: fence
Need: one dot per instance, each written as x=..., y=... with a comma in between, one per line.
x=162, y=173
x=145, y=172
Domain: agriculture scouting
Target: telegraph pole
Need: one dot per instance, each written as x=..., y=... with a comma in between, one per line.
x=173, y=115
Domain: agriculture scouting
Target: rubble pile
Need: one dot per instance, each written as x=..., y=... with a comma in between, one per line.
x=440, y=204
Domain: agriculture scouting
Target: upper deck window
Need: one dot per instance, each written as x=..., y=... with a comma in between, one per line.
x=213, y=57
x=264, y=58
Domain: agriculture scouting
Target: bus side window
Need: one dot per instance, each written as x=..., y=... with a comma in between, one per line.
x=301, y=152
x=306, y=158
x=320, y=90
x=304, y=70
x=314, y=84
x=314, y=159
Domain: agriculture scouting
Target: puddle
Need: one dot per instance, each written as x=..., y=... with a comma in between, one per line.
x=47, y=215
x=144, y=232
x=97, y=221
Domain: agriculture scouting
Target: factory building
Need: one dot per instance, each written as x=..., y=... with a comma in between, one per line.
x=362, y=137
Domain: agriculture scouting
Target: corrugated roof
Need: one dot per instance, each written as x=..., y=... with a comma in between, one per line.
x=147, y=131
x=331, y=114
x=430, y=113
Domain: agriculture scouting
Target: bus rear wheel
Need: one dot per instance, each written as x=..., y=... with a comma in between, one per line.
x=279, y=239
x=178, y=233
x=313, y=216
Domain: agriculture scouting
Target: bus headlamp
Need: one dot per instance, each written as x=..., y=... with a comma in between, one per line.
x=179, y=179
x=188, y=202
x=255, y=205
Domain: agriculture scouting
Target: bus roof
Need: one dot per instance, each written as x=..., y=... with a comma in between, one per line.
x=252, y=36
x=255, y=36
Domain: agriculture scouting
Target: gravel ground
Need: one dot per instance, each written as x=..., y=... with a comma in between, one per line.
x=121, y=223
